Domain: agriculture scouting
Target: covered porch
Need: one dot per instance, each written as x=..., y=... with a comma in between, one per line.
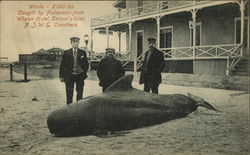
x=156, y=13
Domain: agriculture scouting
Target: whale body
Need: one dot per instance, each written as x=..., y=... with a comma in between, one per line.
x=121, y=107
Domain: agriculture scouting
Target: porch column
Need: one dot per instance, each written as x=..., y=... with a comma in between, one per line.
x=119, y=37
x=194, y=11
x=158, y=21
x=130, y=45
x=130, y=36
x=107, y=33
x=91, y=44
x=242, y=16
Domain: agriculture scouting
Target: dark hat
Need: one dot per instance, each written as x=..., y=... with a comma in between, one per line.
x=151, y=40
x=74, y=39
x=110, y=50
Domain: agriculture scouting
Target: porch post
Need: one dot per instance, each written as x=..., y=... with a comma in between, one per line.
x=130, y=45
x=107, y=33
x=158, y=20
x=242, y=16
x=228, y=65
x=194, y=11
x=119, y=36
x=91, y=44
x=11, y=72
x=91, y=39
x=130, y=36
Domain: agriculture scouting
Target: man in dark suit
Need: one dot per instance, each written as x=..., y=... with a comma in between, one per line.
x=152, y=67
x=109, y=69
x=73, y=70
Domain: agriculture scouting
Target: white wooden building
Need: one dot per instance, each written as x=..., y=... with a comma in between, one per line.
x=200, y=37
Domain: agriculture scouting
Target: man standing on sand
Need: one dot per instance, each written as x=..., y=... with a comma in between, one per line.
x=109, y=69
x=73, y=70
x=152, y=67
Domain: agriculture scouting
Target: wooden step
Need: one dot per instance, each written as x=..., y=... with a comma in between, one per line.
x=241, y=73
x=241, y=68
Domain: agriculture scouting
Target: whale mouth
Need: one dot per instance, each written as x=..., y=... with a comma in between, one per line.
x=62, y=128
x=57, y=122
x=68, y=132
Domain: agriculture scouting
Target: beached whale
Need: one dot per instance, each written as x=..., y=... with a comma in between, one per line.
x=121, y=107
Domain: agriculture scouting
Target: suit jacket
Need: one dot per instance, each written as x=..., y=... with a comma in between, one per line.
x=109, y=70
x=66, y=66
x=151, y=72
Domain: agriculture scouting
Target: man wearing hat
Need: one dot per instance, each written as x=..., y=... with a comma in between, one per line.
x=109, y=69
x=152, y=67
x=73, y=70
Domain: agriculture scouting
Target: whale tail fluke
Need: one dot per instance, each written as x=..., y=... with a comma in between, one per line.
x=206, y=105
x=201, y=103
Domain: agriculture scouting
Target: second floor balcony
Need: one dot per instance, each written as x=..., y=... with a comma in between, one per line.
x=146, y=11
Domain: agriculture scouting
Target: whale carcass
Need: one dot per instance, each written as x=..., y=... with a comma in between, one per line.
x=121, y=107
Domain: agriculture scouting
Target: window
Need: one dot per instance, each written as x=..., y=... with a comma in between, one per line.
x=166, y=37
x=237, y=31
x=198, y=34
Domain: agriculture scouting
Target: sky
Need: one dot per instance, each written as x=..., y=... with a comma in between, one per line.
x=18, y=39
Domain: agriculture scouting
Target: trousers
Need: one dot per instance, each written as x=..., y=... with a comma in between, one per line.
x=76, y=79
x=151, y=86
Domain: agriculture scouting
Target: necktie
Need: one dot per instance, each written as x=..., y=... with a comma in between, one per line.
x=75, y=52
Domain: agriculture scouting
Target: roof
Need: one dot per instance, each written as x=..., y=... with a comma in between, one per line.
x=49, y=51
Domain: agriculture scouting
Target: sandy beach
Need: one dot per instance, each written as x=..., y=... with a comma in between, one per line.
x=24, y=108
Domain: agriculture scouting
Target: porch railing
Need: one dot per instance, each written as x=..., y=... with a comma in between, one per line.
x=126, y=59
x=122, y=56
x=125, y=56
x=139, y=60
x=97, y=56
x=233, y=59
x=201, y=52
x=150, y=9
x=231, y=52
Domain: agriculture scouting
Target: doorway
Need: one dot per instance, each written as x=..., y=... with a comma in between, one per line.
x=139, y=41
